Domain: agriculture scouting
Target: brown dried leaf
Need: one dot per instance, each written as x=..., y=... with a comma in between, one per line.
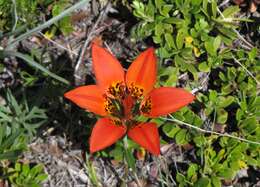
x=219, y=128
x=238, y=2
x=165, y=148
x=253, y=7
x=187, y=147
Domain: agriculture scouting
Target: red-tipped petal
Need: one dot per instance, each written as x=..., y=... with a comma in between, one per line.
x=166, y=100
x=106, y=67
x=104, y=134
x=88, y=97
x=142, y=72
x=146, y=135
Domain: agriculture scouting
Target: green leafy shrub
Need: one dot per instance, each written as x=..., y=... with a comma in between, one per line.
x=188, y=32
x=20, y=11
x=27, y=13
x=21, y=116
x=196, y=36
x=12, y=143
x=18, y=126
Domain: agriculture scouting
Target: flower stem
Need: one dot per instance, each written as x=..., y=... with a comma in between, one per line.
x=128, y=155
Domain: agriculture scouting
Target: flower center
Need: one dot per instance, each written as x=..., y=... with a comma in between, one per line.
x=123, y=103
x=147, y=106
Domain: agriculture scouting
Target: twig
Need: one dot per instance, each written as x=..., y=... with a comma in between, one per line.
x=138, y=183
x=248, y=72
x=58, y=45
x=182, y=75
x=91, y=34
x=72, y=170
x=210, y=132
x=224, y=3
x=193, y=91
x=15, y=15
x=243, y=39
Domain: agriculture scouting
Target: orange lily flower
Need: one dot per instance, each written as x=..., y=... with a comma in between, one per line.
x=121, y=97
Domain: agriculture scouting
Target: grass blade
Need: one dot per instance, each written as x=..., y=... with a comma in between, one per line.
x=34, y=64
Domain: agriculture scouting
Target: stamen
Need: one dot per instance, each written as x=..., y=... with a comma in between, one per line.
x=117, y=90
x=136, y=92
x=146, y=107
x=117, y=122
x=113, y=107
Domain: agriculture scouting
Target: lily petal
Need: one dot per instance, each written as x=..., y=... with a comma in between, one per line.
x=104, y=134
x=106, y=67
x=146, y=135
x=88, y=97
x=165, y=100
x=142, y=71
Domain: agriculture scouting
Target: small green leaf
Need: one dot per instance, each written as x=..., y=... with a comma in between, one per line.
x=192, y=171
x=230, y=11
x=203, y=182
x=217, y=42
x=226, y=173
x=180, y=178
x=25, y=169
x=213, y=95
x=222, y=116
x=173, y=20
x=203, y=66
x=225, y=101
x=180, y=40
x=210, y=48
x=216, y=182
x=252, y=54
x=239, y=114
x=181, y=137
x=169, y=40
x=159, y=29
x=199, y=140
x=170, y=130
x=214, y=8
